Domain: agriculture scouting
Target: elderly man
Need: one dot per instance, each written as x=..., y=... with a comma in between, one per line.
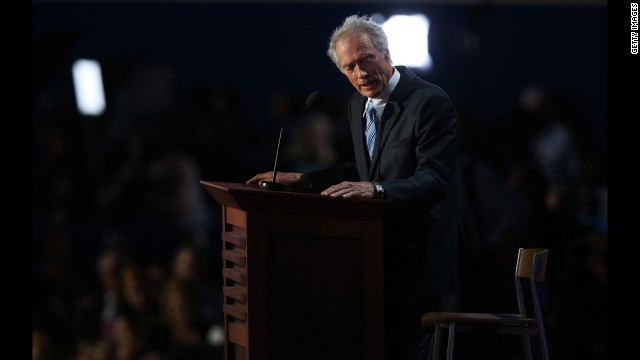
x=405, y=139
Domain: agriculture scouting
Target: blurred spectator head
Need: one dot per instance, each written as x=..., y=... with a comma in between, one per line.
x=180, y=304
x=135, y=288
x=126, y=337
x=109, y=267
x=186, y=263
x=41, y=345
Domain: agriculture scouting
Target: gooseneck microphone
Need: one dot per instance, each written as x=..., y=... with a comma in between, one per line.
x=315, y=100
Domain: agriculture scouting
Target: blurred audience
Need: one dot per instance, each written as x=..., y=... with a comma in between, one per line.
x=187, y=265
x=532, y=180
x=96, y=307
x=127, y=336
x=42, y=346
x=138, y=292
x=181, y=302
x=528, y=181
x=95, y=350
x=310, y=145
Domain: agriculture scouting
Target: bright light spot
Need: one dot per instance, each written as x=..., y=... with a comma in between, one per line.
x=87, y=80
x=215, y=335
x=409, y=40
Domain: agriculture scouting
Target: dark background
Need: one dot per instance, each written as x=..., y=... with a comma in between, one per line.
x=252, y=47
x=198, y=90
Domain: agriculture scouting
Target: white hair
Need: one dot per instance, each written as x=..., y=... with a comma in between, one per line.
x=354, y=25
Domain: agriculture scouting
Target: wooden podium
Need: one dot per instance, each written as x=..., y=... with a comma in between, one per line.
x=303, y=274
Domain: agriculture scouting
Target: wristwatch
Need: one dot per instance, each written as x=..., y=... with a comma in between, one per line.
x=378, y=191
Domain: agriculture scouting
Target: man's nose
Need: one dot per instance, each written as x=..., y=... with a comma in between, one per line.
x=362, y=71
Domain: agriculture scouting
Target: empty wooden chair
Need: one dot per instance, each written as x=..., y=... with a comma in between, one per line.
x=530, y=268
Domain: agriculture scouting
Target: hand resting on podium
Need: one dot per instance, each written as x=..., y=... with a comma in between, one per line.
x=295, y=180
x=345, y=189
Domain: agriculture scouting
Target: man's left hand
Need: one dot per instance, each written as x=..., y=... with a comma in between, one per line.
x=347, y=189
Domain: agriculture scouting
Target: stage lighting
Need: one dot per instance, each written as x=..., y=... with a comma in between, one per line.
x=409, y=40
x=87, y=81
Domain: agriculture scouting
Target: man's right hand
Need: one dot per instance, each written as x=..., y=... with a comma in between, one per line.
x=297, y=180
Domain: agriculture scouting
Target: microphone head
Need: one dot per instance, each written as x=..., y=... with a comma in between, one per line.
x=317, y=100
x=314, y=99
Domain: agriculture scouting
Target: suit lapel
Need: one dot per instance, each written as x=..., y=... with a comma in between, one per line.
x=389, y=117
x=357, y=127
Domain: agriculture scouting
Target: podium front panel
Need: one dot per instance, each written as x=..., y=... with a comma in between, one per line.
x=299, y=285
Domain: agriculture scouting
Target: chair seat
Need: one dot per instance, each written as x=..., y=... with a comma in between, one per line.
x=531, y=265
x=446, y=318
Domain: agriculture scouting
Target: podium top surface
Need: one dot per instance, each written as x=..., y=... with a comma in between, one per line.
x=292, y=201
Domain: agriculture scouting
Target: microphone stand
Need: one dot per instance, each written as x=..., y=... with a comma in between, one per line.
x=312, y=101
x=273, y=185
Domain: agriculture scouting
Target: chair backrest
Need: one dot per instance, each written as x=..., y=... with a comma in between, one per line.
x=531, y=265
x=526, y=268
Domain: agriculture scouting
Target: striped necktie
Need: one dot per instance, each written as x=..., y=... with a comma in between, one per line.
x=371, y=128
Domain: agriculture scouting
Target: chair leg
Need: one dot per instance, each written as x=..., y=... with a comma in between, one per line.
x=436, y=343
x=544, y=350
x=526, y=342
x=451, y=341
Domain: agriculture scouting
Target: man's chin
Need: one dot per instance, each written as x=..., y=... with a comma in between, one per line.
x=370, y=92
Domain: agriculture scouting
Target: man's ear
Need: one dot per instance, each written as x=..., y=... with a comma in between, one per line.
x=387, y=55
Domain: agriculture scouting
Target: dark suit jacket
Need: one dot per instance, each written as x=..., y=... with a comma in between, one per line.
x=414, y=160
